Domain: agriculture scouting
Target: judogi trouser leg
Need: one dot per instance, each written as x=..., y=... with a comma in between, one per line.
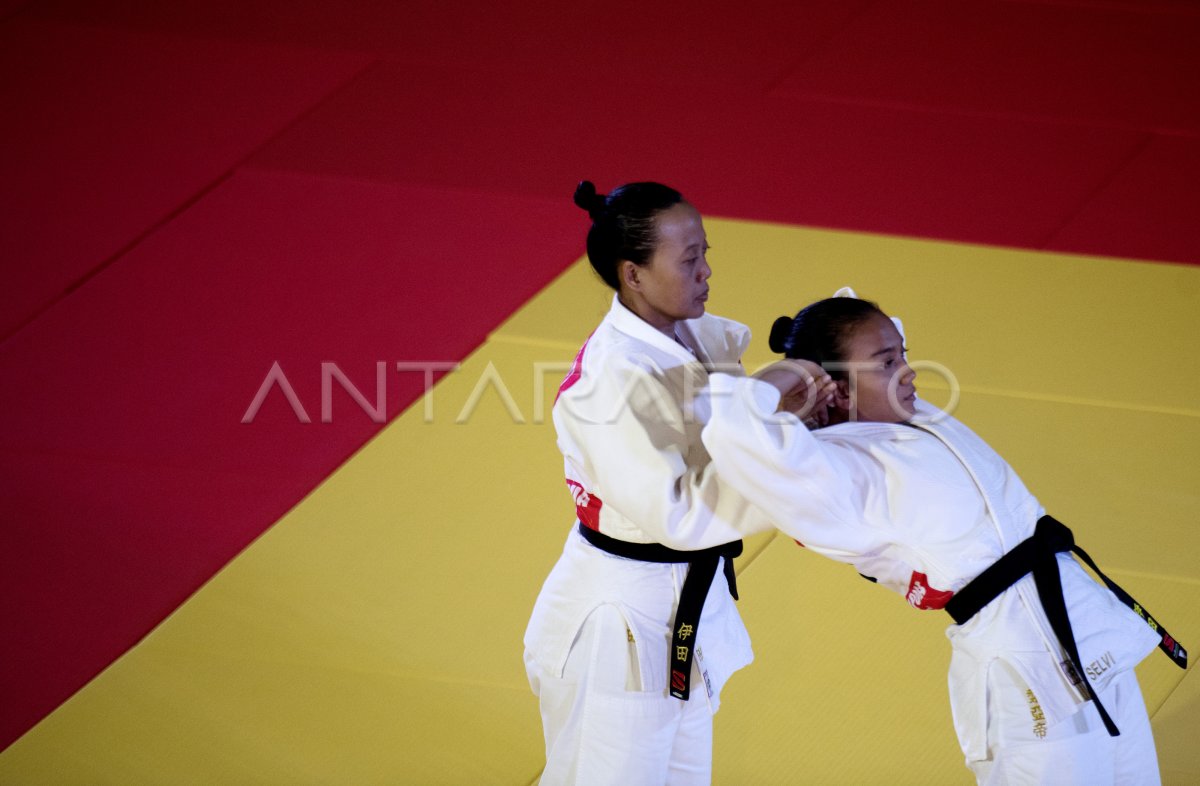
x=1076, y=750
x=601, y=728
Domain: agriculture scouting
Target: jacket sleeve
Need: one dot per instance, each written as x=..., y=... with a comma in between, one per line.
x=815, y=492
x=647, y=463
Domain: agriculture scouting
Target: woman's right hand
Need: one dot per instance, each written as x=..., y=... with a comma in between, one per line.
x=805, y=389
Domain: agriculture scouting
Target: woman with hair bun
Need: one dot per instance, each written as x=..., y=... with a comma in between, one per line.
x=635, y=632
x=1042, y=687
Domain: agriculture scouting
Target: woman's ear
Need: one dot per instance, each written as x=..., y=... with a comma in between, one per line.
x=630, y=275
x=841, y=395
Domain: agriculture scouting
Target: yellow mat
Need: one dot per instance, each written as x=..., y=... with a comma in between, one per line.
x=374, y=634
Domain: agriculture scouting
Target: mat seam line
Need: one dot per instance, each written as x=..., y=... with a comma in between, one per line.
x=1137, y=151
x=180, y=208
x=1170, y=693
x=913, y=107
x=1062, y=399
x=771, y=88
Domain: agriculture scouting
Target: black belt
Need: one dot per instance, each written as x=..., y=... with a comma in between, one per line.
x=702, y=567
x=1038, y=555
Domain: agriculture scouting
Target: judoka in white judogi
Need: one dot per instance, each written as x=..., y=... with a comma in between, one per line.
x=923, y=507
x=639, y=473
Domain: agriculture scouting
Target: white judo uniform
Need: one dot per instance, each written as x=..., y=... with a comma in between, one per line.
x=923, y=508
x=596, y=648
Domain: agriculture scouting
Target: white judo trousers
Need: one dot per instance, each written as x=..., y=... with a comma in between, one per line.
x=601, y=730
x=1022, y=751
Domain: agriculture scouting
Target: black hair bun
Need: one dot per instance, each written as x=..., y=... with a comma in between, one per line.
x=781, y=331
x=587, y=198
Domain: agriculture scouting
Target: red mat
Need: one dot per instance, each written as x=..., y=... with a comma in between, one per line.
x=129, y=478
x=1142, y=211
x=118, y=129
x=949, y=176
x=631, y=42
x=1097, y=64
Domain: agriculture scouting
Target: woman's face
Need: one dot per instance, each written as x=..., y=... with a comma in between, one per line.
x=879, y=385
x=673, y=285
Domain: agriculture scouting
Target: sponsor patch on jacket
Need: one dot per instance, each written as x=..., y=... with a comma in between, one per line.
x=587, y=506
x=922, y=596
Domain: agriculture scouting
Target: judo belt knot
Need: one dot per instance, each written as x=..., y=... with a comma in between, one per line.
x=702, y=568
x=1038, y=554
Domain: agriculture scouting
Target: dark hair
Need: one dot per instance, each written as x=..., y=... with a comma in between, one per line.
x=623, y=224
x=819, y=332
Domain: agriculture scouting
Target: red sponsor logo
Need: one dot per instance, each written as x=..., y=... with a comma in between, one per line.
x=587, y=506
x=678, y=680
x=922, y=596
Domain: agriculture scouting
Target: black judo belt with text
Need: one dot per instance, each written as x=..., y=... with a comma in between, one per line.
x=702, y=567
x=1038, y=554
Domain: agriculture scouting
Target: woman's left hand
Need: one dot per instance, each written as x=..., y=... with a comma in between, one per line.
x=805, y=389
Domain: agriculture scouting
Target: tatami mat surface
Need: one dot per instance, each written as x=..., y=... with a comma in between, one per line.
x=373, y=635
x=197, y=190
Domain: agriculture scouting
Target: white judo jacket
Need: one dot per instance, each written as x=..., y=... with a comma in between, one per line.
x=638, y=472
x=924, y=508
